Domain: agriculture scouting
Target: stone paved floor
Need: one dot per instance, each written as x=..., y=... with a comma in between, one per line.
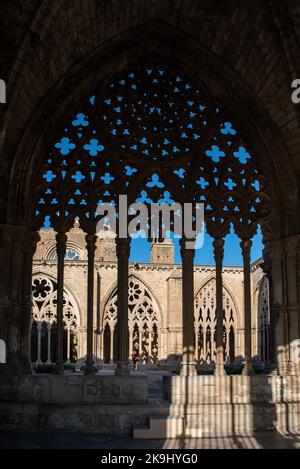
x=14, y=440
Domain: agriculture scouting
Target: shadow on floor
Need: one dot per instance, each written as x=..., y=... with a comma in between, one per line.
x=20, y=440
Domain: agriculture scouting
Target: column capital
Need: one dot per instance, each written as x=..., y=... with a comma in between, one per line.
x=187, y=248
x=91, y=242
x=246, y=248
x=61, y=240
x=123, y=246
x=218, y=245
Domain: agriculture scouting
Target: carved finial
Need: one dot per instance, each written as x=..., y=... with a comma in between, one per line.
x=76, y=223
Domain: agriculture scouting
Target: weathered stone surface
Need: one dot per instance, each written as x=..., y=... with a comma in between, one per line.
x=83, y=418
x=55, y=389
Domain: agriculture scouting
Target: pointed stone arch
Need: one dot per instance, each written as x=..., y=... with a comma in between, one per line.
x=67, y=287
x=113, y=288
x=43, y=327
x=144, y=321
x=227, y=288
x=206, y=321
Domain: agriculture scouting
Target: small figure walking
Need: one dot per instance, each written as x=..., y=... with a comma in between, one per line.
x=136, y=360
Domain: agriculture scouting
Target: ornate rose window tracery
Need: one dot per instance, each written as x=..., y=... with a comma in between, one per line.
x=153, y=134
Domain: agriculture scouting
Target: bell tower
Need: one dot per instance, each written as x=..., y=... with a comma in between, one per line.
x=162, y=252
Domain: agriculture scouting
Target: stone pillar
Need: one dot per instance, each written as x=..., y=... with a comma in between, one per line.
x=292, y=300
x=123, y=250
x=212, y=344
x=219, y=253
x=39, y=334
x=29, y=342
x=227, y=344
x=246, y=249
x=91, y=246
x=278, y=312
x=68, y=344
x=140, y=346
x=30, y=241
x=61, y=242
x=150, y=347
x=130, y=352
x=267, y=269
x=101, y=346
x=204, y=344
x=196, y=343
x=5, y=248
x=15, y=295
x=111, y=352
x=5, y=244
x=49, y=343
x=188, y=332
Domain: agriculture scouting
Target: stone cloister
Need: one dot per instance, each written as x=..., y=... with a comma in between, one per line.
x=162, y=102
x=154, y=307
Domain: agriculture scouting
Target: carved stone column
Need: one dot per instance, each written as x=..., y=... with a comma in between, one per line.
x=91, y=247
x=140, y=346
x=292, y=301
x=188, y=319
x=197, y=342
x=219, y=254
x=150, y=346
x=68, y=344
x=29, y=247
x=246, y=249
x=49, y=327
x=61, y=243
x=278, y=311
x=101, y=347
x=11, y=292
x=123, y=250
x=5, y=245
x=39, y=342
x=267, y=269
x=204, y=343
x=111, y=344
x=15, y=295
x=130, y=351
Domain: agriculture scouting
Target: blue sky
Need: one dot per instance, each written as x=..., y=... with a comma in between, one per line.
x=140, y=250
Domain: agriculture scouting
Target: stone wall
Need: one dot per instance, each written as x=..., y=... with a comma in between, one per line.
x=238, y=405
x=216, y=406
x=74, y=389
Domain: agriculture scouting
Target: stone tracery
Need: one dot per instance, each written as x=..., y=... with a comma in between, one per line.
x=205, y=324
x=44, y=321
x=149, y=115
x=143, y=322
x=122, y=141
